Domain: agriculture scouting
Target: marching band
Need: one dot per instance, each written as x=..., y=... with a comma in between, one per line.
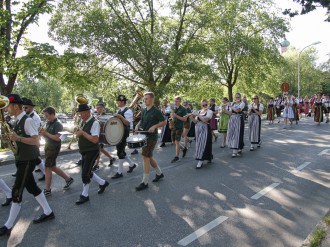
x=176, y=123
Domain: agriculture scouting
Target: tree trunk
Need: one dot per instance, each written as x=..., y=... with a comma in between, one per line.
x=230, y=92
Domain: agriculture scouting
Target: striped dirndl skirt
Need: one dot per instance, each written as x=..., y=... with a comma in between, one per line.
x=203, y=141
x=255, y=128
x=235, y=132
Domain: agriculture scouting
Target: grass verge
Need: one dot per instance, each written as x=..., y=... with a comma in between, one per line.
x=317, y=237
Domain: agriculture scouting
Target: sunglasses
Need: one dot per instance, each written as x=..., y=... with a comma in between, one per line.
x=255, y=98
x=25, y=107
x=204, y=105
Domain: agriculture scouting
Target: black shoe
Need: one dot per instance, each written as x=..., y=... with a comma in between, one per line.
x=82, y=199
x=112, y=161
x=7, y=202
x=184, y=152
x=162, y=145
x=95, y=168
x=14, y=174
x=131, y=168
x=158, y=177
x=117, y=175
x=141, y=186
x=5, y=231
x=175, y=159
x=102, y=187
x=43, y=218
x=37, y=170
x=135, y=152
x=42, y=178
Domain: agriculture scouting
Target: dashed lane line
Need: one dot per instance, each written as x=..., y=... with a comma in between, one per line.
x=201, y=231
x=299, y=168
x=264, y=191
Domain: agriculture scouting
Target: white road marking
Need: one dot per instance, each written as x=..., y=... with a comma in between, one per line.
x=299, y=168
x=201, y=231
x=264, y=191
x=325, y=151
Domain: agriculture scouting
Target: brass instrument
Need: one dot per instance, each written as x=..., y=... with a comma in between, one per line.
x=5, y=129
x=134, y=106
x=79, y=99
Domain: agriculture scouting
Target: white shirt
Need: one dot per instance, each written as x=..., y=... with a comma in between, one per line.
x=36, y=119
x=209, y=115
x=29, y=126
x=167, y=110
x=95, y=130
x=254, y=106
x=238, y=106
x=128, y=114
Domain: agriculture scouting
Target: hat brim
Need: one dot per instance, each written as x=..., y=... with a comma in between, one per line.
x=83, y=110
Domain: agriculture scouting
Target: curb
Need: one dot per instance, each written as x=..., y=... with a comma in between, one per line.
x=320, y=225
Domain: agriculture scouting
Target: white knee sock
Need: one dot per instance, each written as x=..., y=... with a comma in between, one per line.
x=158, y=170
x=97, y=179
x=42, y=166
x=14, y=211
x=41, y=199
x=85, y=189
x=120, y=166
x=128, y=159
x=145, y=179
x=5, y=188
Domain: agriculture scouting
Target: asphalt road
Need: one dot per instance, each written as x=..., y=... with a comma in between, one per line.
x=273, y=196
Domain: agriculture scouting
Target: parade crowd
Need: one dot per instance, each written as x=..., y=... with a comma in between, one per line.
x=180, y=124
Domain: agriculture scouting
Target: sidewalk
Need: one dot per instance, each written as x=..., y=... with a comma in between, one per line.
x=7, y=157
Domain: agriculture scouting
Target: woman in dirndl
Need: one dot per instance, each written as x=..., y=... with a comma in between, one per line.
x=255, y=111
x=203, y=134
x=306, y=106
x=235, y=134
x=295, y=108
x=318, y=109
x=224, y=119
x=287, y=111
x=271, y=111
x=214, y=122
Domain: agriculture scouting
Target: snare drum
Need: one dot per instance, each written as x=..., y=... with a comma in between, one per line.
x=112, y=131
x=136, y=141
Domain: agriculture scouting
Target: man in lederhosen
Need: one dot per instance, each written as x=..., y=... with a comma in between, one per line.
x=25, y=135
x=88, y=143
x=28, y=107
x=151, y=120
x=126, y=116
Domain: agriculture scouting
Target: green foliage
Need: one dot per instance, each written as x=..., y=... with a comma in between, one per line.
x=15, y=17
x=316, y=237
x=308, y=6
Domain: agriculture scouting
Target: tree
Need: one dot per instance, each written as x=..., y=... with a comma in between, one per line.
x=244, y=41
x=308, y=6
x=15, y=18
x=145, y=41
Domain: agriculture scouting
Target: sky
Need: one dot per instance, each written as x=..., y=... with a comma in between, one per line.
x=305, y=30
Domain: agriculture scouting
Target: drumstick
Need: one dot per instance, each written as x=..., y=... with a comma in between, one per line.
x=140, y=131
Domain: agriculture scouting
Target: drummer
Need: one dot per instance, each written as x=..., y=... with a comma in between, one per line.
x=126, y=116
x=100, y=108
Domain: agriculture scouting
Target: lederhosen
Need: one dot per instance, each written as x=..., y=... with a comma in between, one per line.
x=278, y=107
x=327, y=106
x=89, y=152
x=121, y=146
x=26, y=160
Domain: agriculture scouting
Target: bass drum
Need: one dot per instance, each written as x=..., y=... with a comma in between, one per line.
x=112, y=131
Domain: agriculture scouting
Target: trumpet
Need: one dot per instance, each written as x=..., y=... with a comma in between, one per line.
x=4, y=102
x=80, y=99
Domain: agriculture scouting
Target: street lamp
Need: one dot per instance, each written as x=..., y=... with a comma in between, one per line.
x=315, y=43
